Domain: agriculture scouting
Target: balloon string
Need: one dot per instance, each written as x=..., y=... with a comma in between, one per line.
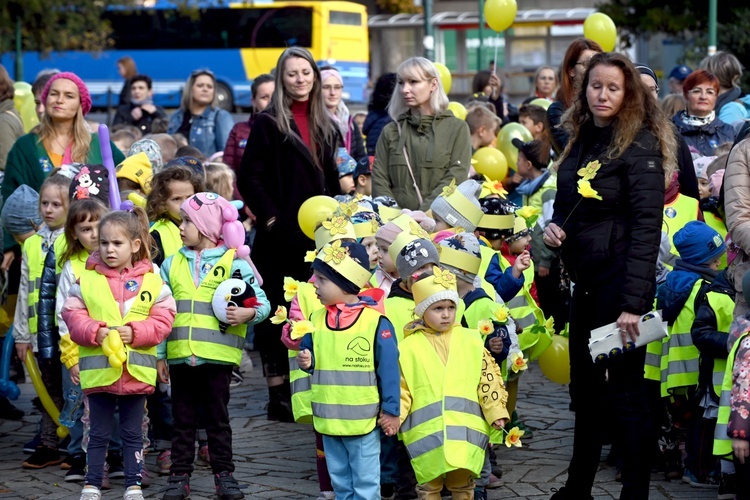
x=494, y=66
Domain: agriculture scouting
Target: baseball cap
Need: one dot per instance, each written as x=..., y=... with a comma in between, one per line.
x=364, y=166
x=680, y=72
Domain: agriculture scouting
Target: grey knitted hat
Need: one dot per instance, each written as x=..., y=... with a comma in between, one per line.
x=21, y=211
x=414, y=255
x=447, y=208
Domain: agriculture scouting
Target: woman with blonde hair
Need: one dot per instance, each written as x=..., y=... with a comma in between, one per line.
x=426, y=147
x=545, y=83
x=607, y=222
x=289, y=157
x=200, y=119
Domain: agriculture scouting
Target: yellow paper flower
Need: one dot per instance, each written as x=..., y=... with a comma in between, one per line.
x=336, y=225
x=501, y=314
x=549, y=325
x=335, y=252
x=514, y=437
x=518, y=362
x=310, y=256
x=445, y=278
x=291, y=286
x=485, y=327
x=350, y=208
x=527, y=212
x=301, y=328
x=585, y=190
x=417, y=230
x=589, y=171
x=449, y=189
x=280, y=316
x=375, y=225
x=494, y=187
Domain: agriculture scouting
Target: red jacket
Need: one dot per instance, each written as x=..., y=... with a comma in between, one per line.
x=147, y=333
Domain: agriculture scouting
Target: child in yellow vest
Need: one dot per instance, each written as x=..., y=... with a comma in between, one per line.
x=53, y=207
x=352, y=355
x=450, y=388
x=117, y=314
x=201, y=350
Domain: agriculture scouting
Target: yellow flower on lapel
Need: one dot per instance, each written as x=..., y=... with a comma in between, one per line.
x=589, y=171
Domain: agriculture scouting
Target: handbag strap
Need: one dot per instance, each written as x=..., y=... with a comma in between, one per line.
x=408, y=165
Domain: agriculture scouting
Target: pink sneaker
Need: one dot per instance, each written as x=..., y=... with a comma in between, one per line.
x=164, y=462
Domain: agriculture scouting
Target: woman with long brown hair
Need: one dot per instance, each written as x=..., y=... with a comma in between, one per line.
x=127, y=69
x=607, y=222
x=289, y=157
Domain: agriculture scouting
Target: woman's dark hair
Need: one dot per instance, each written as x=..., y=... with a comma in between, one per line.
x=142, y=78
x=480, y=81
x=6, y=85
x=381, y=94
x=258, y=81
x=567, y=91
x=537, y=152
x=41, y=81
x=84, y=210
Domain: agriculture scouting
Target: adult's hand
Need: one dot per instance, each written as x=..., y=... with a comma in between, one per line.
x=628, y=325
x=8, y=258
x=553, y=235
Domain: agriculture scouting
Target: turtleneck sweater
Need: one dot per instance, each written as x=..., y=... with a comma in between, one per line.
x=300, y=114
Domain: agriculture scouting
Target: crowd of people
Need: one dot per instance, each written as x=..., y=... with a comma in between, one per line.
x=410, y=293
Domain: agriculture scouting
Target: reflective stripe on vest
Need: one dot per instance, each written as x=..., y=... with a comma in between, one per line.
x=169, y=233
x=679, y=212
x=722, y=442
x=102, y=306
x=652, y=369
x=445, y=429
x=33, y=253
x=196, y=329
x=345, y=397
x=680, y=358
x=301, y=385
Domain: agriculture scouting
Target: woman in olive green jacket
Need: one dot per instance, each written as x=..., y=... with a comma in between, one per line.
x=426, y=147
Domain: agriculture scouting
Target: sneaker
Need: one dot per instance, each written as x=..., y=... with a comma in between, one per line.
x=204, y=459
x=32, y=445
x=327, y=495
x=387, y=491
x=105, y=477
x=77, y=471
x=237, y=377
x=689, y=478
x=727, y=487
x=145, y=476
x=497, y=470
x=65, y=464
x=42, y=457
x=178, y=487
x=164, y=462
x=279, y=411
x=480, y=494
x=227, y=487
x=133, y=493
x=90, y=493
x=116, y=468
x=495, y=482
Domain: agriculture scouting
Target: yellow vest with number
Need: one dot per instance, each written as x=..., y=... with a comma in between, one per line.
x=299, y=380
x=101, y=304
x=196, y=329
x=679, y=212
x=345, y=397
x=169, y=233
x=722, y=442
x=445, y=429
x=34, y=251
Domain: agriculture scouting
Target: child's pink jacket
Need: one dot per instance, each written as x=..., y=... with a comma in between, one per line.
x=146, y=333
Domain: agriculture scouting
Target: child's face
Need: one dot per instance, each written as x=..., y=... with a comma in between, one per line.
x=440, y=316
x=116, y=248
x=703, y=188
x=524, y=166
x=440, y=224
x=534, y=127
x=346, y=183
x=189, y=233
x=384, y=258
x=518, y=246
x=326, y=290
x=485, y=136
x=371, y=245
x=52, y=207
x=179, y=191
x=87, y=233
x=716, y=263
x=364, y=185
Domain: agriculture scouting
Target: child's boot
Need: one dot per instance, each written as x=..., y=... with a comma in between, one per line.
x=90, y=493
x=178, y=487
x=227, y=487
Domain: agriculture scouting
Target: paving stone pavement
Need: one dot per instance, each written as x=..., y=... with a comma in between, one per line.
x=277, y=460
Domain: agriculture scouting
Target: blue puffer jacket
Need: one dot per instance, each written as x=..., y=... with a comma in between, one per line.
x=705, y=138
x=208, y=132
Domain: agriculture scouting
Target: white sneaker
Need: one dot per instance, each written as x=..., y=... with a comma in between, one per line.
x=91, y=493
x=133, y=493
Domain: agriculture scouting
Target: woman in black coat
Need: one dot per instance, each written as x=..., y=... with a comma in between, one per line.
x=610, y=247
x=290, y=157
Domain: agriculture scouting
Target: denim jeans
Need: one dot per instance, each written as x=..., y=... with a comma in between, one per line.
x=354, y=465
x=76, y=432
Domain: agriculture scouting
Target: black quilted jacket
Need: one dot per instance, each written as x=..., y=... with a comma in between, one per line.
x=48, y=337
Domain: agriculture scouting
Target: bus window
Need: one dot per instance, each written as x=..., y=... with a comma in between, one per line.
x=345, y=18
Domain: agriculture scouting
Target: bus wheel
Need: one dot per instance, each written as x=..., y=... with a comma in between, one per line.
x=224, y=95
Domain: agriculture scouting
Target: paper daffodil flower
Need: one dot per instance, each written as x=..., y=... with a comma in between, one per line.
x=585, y=190
x=445, y=278
x=336, y=225
x=549, y=325
x=310, y=256
x=449, y=189
x=280, y=316
x=350, y=208
x=589, y=171
x=417, y=230
x=514, y=437
x=300, y=329
x=291, y=286
x=485, y=327
x=529, y=214
x=501, y=314
x=518, y=362
x=335, y=252
x=494, y=187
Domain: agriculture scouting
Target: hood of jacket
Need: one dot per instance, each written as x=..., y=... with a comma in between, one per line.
x=95, y=262
x=727, y=97
x=672, y=295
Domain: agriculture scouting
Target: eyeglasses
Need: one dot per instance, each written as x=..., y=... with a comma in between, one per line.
x=335, y=88
x=699, y=91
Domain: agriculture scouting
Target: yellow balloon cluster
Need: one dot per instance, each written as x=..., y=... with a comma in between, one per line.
x=114, y=349
x=490, y=162
x=23, y=100
x=313, y=211
x=445, y=76
x=601, y=28
x=505, y=141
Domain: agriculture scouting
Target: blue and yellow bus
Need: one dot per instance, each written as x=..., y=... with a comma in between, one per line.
x=235, y=40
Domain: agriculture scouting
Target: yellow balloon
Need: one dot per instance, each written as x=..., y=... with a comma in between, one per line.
x=505, y=141
x=500, y=14
x=106, y=347
x=490, y=162
x=458, y=109
x=115, y=342
x=41, y=391
x=314, y=211
x=445, y=76
x=541, y=102
x=601, y=28
x=114, y=361
x=121, y=355
x=555, y=361
x=23, y=100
